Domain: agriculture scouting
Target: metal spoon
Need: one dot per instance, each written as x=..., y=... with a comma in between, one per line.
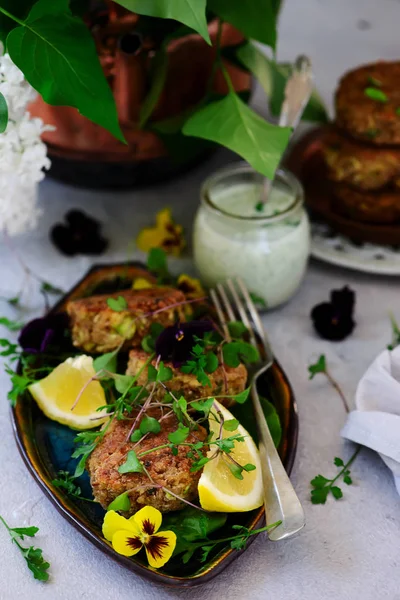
x=298, y=90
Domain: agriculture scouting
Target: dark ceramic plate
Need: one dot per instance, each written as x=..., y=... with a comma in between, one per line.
x=46, y=448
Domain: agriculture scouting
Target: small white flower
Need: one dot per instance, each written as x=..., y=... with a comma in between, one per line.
x=23, y=154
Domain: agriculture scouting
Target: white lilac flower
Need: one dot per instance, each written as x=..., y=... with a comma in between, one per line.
x=23, y=155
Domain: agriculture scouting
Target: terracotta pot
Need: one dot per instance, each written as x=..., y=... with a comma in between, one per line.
x=85, y=154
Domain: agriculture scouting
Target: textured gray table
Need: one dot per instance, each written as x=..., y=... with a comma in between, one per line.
x=350, y=548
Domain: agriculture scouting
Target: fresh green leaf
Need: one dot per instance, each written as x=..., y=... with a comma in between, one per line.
x=158, y=68
x=347, y=480
x=336, y=492
x=237, y=329
x=242, y=396
x=338, y=462
x=164, y=373
x=211, y=362
x=148, y=344
x=11, y=325
x=189, y=12
x=233, y=124
x=3, y=114
x=118, y=304
x=257, y=19
x=249, y=467
x=121, y=503
x=199, y=464
x=236, y=470
x=123, y=383
x=149, y=425
x=136, y=436
x=14, y=301
x=106, y=361
x=132, y=464
x=318, y=367
x=231, y=424
x=272, y=77
x=25, y=531
x=319, y=481
x=258, y=301
x=70, y=73
x=376, y=94
x=157, y=261
x=179, y=436
x=49, y=288
x=152, y=373
x=237, y=352
x=191, y=525
x=203, y=406
x=319, y=495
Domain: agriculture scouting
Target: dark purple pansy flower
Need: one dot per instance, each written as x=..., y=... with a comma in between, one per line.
x=175, y=343
x=334, y=320
x=38, y=334
x=80, y=235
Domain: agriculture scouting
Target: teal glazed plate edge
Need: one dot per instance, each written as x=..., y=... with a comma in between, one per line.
x=45, y=446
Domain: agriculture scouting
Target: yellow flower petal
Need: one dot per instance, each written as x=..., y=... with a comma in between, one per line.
x=126, y=543
x=160, y=547
x=141, y=283
x=148, y=519
x=113, y=522
x=149, y=238
x=164, y=218
x=190, y=286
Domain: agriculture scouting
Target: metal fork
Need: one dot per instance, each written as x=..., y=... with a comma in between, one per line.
x=232, y=300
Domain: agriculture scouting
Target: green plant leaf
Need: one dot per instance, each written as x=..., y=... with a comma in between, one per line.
x=236, y=352
x=233, y=124
x=118, y=304
x=58, y=57
x=136, y=436
x=255, y=18
x=3, y=113
x=231, y=424
x=106, y=361
x=121, y=502
x=132, y=464
x=319, y=481
x=236, y=470
x=11, y=325
x=336, y=492
x=189, y=12
x=272, y=77
x=376, y=94
x=179, y=436
x=159, y=68
x=149, y=425
x=237, y=329
x=318, y=367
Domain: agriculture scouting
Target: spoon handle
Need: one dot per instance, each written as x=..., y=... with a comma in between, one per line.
x=298, y=90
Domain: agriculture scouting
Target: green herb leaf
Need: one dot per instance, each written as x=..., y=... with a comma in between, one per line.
x=3, y=114
x=236, y=470
x=49, y=288
x=376, y=94
x=157, y=261
x=336, y=492
x=319, y=495
x=158, y=74
x=338, y=462
x=203, y=406
x=189, y=12
x=14, y=301
x=242, y=396
x=118, y=304
x=231, y=424
x=149, y=425
x=132, y=464
x=25, y=531
x=148, y=344
x=179, y=436
x=136, y=436
x=70, y=74
x=273, y=77
x=233, y=124
x=237, y=329
x=106, y=361
x=164, y=373
x=121, y=503
x=211, y=362
x=11, y=325
x=199, y=464
x=249, y=467
x=318, y=367
x=246, y=16
x=320, y=481
x=237, y=352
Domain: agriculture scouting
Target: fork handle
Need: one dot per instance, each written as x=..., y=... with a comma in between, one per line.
x=280, y=500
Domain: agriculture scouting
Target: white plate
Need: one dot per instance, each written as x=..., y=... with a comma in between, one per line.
x=336, y=249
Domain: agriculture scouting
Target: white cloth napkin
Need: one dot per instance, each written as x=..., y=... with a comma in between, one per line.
x=376, y=421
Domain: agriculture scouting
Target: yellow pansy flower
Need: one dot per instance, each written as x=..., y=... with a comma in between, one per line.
x=166, y=235
x=140, y=283
x=190, y=286
x=129, y=536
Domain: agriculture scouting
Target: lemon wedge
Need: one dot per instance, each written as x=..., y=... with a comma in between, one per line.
x=219, y=490
x=57, y=393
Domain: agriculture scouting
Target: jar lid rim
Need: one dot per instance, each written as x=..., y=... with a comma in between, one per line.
x=242, y=167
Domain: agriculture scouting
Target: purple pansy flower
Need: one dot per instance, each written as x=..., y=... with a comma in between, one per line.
x=334, y=320
x=38, y=334
x=81, y=235
x=175, y=343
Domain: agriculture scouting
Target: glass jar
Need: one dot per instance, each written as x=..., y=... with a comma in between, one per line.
x=235, y=235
